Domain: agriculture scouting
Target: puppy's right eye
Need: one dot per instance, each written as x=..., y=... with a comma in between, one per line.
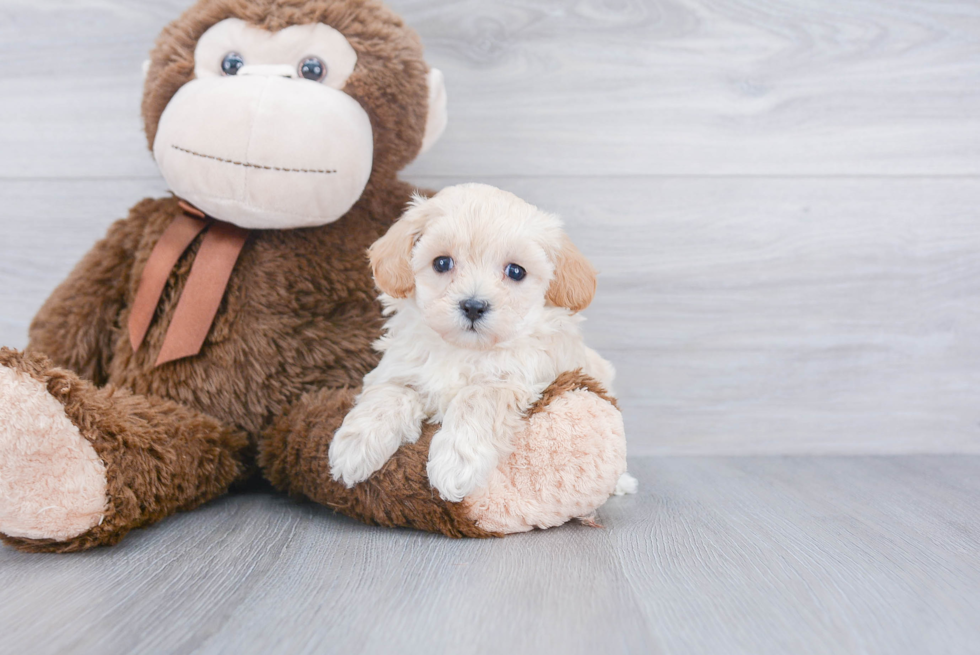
x=442, y=264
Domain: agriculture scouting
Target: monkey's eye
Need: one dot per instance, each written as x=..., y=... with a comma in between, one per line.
x=515, y=272
x=312, y=68
x=442, y=264
x=231, y=63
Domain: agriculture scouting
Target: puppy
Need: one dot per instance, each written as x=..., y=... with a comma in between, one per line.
x=482, y=289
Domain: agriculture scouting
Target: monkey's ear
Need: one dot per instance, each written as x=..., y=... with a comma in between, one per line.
x=391, y=255
x=438, y=117
x=575, y=279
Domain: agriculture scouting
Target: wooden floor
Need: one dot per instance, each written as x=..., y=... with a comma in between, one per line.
x=784, y=201
x=714, y=556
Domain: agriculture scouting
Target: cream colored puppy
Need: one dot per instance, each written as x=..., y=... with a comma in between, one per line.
x=482, y=290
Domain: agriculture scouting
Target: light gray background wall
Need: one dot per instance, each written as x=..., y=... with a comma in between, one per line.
x=782, y=198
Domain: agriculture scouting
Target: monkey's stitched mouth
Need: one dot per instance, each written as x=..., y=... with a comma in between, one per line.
x=250, y=165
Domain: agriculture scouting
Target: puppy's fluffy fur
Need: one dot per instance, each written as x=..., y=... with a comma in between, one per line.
x=475, y=377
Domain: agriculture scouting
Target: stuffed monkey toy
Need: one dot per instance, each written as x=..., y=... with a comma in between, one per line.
x=223, y=332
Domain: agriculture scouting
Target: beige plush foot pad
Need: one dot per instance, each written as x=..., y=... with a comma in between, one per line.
x=52, y=482
x=558, y=471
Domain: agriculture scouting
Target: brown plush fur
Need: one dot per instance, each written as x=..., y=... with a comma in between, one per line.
x=292, y=337
x=399, y=495
x=299, y=316
x=570, y=381
x=163, y=457
x=388, y=81
x=300, y=312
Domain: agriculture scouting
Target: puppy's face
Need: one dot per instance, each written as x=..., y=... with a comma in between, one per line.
x=482, y=264
x=480, y=274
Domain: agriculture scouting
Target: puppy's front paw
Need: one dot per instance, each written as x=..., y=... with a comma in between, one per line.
x=454, y=475
x=372, y=432
x=353, y=456
x=411, y=431
x=453, y=481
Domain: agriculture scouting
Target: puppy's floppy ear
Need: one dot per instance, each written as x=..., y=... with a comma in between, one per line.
x=391, y=255
x=575, y=279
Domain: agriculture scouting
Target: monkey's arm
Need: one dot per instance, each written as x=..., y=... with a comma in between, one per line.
x=293, y=455
x=79, y=322
x=566, y=461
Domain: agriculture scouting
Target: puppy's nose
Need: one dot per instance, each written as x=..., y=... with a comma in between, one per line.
x=474, y=309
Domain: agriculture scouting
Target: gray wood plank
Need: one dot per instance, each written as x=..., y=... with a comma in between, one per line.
x=768, y=315
x=263, y=574
x=46, y=227
x=828, y=313
x=805, y=555
x=430, y=594
x=714, y=555
x=753, y=315
x=548, y=87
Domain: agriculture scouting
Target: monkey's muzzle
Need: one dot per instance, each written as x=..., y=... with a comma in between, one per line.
x=273, y=152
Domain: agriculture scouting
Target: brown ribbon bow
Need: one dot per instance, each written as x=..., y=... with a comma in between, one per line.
x=201, y=297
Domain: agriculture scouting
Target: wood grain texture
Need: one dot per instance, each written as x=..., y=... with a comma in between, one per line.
x=782, y=199
x=804, y=555
x=714, y=555
x=748, y=315
x=829, y=313
x=570, y=87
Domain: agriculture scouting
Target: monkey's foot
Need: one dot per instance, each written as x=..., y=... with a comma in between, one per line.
x=52, y=482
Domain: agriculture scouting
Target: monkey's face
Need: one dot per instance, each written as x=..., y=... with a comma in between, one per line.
x=264, y=135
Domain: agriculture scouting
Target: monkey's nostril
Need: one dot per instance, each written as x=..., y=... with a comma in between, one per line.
x=474, y=309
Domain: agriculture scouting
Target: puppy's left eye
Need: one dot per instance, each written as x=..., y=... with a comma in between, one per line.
x=515, y=272
x=442, y=264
